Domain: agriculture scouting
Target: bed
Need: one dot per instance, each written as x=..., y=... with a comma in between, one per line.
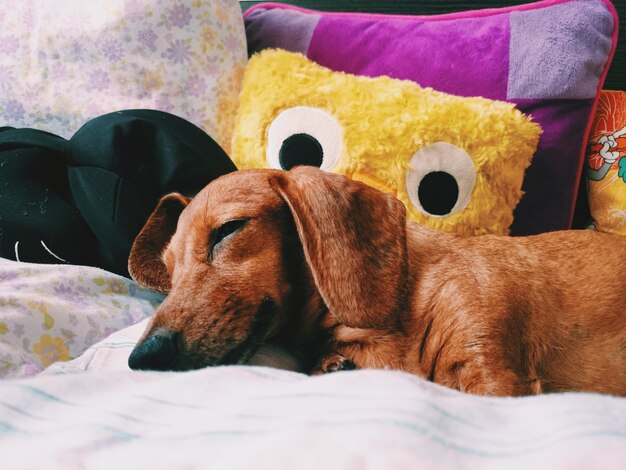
x=69, y=400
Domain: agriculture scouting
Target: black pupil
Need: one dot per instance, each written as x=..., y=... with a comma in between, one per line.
x=300, y=149
x=438, y=192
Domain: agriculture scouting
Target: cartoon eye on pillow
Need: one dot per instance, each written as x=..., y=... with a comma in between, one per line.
x=456, y=163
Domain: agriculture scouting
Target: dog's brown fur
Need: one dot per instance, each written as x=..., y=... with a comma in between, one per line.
x=350, y=279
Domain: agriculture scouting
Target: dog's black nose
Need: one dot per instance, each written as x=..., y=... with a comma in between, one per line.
x=157, y=352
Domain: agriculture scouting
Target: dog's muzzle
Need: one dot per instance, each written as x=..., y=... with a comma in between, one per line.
x=163, y=349
x=257, y=332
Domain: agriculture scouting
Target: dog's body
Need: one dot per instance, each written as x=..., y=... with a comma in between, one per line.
x=509, y=316
x=330, y=267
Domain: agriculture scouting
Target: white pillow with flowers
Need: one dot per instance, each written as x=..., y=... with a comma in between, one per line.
x=51, y=313
x=63, y=63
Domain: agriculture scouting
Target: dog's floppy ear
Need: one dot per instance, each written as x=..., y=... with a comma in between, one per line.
x=144, y=263
x=354, y=240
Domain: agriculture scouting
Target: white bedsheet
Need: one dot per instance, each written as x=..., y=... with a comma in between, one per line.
x=93, y=412
x=258, y=417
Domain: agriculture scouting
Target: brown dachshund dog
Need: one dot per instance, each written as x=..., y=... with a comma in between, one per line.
x=330, y=267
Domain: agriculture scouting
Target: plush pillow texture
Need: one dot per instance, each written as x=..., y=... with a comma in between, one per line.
x=549, y=58
x=63, y=63
x=54, y=313
x=456, y=163
x=84, y=200
x=606, y=163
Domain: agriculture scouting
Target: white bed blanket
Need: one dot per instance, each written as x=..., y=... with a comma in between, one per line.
x=257, y=417
x=93, y=412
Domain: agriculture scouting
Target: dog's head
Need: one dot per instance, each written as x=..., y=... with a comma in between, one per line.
x=244, y=261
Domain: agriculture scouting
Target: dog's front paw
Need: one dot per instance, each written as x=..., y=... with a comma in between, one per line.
x=333, y=363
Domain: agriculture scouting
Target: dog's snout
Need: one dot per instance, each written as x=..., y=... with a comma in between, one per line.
x=157, y=352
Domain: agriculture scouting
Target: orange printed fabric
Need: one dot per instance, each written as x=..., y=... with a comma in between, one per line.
x=606, y=163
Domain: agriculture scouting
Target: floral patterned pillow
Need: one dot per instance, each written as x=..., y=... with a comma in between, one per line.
x=63, y=63
x=51, y=313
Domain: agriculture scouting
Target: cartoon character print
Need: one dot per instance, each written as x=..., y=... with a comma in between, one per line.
x=605, y=163
x=608, y=150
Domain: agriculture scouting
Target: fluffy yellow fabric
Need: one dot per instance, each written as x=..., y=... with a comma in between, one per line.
x=384, y=123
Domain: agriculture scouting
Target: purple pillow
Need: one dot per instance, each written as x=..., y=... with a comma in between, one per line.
x=550, y=58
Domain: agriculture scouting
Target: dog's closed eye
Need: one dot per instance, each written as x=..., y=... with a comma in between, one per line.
x=224, y=232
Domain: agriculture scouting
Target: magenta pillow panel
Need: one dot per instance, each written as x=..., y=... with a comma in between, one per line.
x=549, y=58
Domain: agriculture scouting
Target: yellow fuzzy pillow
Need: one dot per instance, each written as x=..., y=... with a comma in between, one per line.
x=456, y=163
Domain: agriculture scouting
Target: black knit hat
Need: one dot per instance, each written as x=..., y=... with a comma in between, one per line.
x=83, y=201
